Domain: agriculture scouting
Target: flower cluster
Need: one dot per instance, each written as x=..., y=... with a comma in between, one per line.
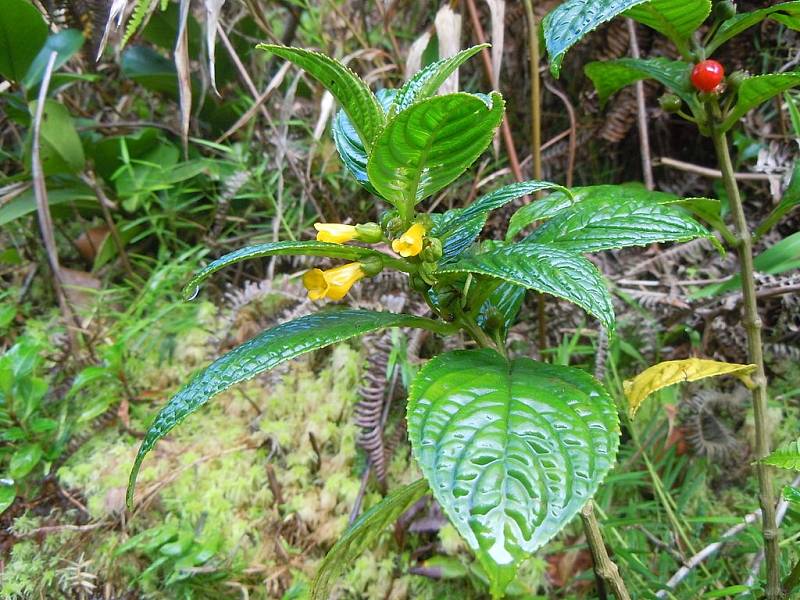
x=334, y=283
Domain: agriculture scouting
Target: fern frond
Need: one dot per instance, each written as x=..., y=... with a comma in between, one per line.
x=140, y=13
x=785, y=457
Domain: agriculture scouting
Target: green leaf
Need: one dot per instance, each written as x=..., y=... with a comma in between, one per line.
x=789, y=200
x=8, y=494
x=22, y=34
x=506, y=299
x=792, y=494
x=302, y=248
x=612, y=75
x=430, y=144
x=263, y=352
x=64, y=43
x=674, y=19
x=362, y=534
x=568, y=23
x=599, y=224
x=778, y=258
x=354, y=96
x=785, y=457
x=426, y=82
x=545, y=269
x=787, y=13
x=24, y=460
x=511, y=449
x=459, y=227
x=61, y=149
x=349, y=145
x=754, y=91
x=547, y=207
x=25, y=204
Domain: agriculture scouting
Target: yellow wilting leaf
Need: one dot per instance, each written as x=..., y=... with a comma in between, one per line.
x=671, y=372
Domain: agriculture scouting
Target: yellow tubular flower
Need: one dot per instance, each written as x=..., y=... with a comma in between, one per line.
x=335, y=233
x=410, y=243
x=332, y=283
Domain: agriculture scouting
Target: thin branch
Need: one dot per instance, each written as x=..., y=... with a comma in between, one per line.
x=603, y=565
x=665, y=161
x=641, y=109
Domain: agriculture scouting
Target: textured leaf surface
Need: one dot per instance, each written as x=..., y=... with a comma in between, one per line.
x=675, y=19
x=670, y=372
x=362, y=534
x=349, y=90
x=348, y=144
x=426, y=82
x=544, y=269
x=512, y=450
x=431, y=143
x=785, y=457
x=611, y=76
x=506, y=299
x=568, y=23
x=302, y=248
x=263, y=352
x=554, y=203
x=787, y=13
x=754, y=91
x=599, y=224
x=459, y=227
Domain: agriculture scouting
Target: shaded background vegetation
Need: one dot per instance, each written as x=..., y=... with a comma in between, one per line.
x=246, y=498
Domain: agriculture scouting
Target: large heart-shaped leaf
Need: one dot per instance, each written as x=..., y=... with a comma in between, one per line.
x=787, y=13
x=545, y=269
x=554, y=203
x=22, y=34
x=263, y=352
x=349, y=90
x=602, y=224
x=754, y=91
x=426, y=82
x=362, y=534
x=459, y=227
x=511, y=449
x=300, y=248
x=675, y=19
x=566, y=25
x=431, y=143
x=348, y=143
x=610, y=76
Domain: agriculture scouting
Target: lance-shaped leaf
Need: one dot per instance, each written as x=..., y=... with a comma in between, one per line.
x=787, y=13
x=785, y=457
x=511, y=449
x=568, y=23
x=675, y=19
x=459, y=227
x=670, y=372
x=348, y=144
x=263, y=352
x=545, y=269
x=426, y=82
x=349, y=90
x=754, y=91
x=789, y=200
x=430, y=144
x=362, y=534
x=610, y=76
x=599, y=224
x=554, y=203
x=301, y=248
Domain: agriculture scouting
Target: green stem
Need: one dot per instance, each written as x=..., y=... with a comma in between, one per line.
x=752, y=324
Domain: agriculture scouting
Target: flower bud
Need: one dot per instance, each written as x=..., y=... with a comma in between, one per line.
x=371, y=265
x=371, y=233
x=670, y=103
x=724, y=10
x=431, y=250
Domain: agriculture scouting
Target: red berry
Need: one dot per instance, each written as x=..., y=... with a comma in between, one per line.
x=707, y=75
